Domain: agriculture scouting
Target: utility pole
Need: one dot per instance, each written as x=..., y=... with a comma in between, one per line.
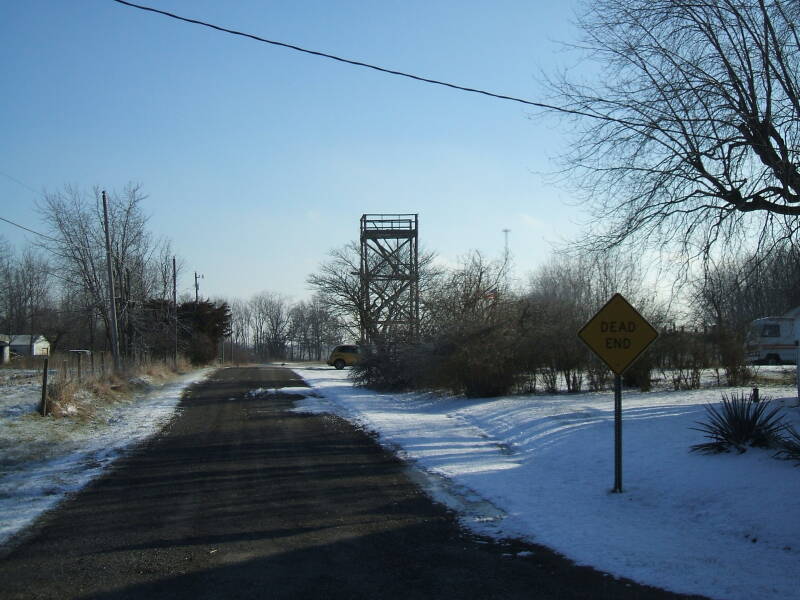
x=175, y=306
x=197, y=287
x=112, y=301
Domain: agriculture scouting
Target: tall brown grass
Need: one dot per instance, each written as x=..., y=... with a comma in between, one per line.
x=68, y=397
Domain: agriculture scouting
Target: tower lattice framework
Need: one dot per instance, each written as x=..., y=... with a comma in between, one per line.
x=389, y=278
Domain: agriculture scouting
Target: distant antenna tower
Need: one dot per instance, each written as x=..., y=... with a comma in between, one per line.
x=505, y=233
x=389, y=278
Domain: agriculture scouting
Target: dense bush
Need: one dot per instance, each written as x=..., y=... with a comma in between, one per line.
x=390, y=368
x=640, y=374
x=740, y=422
x=478, y=328
x=680, y=355
x=484, y=369
x=202, y=326
x=479, y=369
x=483, y=337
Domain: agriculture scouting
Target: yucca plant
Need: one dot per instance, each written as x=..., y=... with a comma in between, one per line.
x=789, y=447
x=738, y=423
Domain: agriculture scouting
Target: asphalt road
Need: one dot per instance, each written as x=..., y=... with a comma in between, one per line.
x=239, y=498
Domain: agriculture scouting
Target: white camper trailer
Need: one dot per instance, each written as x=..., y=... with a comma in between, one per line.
x=773, y=340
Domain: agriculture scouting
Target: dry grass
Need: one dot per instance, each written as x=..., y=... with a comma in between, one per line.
x=71, y=399
x=159, y=371
x=25, y=362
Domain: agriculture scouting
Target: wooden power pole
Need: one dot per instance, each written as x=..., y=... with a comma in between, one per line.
x=112, y=301
x=197, y=287
x=175, y=305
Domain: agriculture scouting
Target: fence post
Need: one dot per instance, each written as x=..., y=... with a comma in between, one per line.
x=43, y=407
x=80, y=370
x=65, y=371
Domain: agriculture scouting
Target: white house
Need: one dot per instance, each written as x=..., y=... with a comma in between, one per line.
x=21, y=344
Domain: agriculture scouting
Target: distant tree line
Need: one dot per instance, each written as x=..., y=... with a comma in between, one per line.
x=57, y=286
x=270, y=326
x=483, y=336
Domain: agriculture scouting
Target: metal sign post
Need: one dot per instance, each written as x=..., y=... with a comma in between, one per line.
x=617, y=434
x=618, y=335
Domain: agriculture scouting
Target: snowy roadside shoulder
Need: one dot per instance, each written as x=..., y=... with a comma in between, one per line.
x=541, y=467
x=44, y=460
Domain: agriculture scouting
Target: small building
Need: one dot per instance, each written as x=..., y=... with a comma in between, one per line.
x=5, y=348
x=21, y=344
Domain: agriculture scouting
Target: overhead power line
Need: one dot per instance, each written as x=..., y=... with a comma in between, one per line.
x=358, y=63
x=47, y=237
x=62, y=278
x=22, y=183
x=560, y=109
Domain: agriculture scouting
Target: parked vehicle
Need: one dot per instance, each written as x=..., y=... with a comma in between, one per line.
x=772, y=340
x=344, y=356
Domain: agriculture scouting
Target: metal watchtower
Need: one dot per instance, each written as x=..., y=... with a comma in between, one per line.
x=389, y=278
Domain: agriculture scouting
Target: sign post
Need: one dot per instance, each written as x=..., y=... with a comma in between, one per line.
x=618, y=335
x=617, y=434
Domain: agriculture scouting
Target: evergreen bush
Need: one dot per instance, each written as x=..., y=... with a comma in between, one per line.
x=740, y=423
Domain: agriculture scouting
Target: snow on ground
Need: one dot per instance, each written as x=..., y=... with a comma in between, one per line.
x=541, y=468
x=43, y=460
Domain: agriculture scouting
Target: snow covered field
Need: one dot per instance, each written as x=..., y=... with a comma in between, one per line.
x=43, y=460
x=541, y=468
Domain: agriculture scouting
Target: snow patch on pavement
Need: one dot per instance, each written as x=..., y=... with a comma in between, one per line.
x=291, y=390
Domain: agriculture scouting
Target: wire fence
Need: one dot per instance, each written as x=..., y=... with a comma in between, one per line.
x=86, y=366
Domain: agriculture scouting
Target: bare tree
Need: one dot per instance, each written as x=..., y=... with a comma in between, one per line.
x=6, y=278
x=473, y=328
x=691, y=132
x=241, y=323
x=733, y=292
x=313, y=328
x=33, y=280
x=467, y=295
x=158, y=274
x=77, y=239
x=338, y=285
x=278, y=322
x=563, y=295
x=270, y=324
x=26, y=296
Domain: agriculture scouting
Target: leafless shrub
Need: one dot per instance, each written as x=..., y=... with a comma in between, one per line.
x=598, y=375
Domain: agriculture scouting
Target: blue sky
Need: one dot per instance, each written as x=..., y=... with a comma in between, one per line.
x=257, y=160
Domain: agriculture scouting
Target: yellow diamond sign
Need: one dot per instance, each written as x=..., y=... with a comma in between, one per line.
x=618, y=334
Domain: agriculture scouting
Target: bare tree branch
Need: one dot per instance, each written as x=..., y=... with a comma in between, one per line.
x=701, y=140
